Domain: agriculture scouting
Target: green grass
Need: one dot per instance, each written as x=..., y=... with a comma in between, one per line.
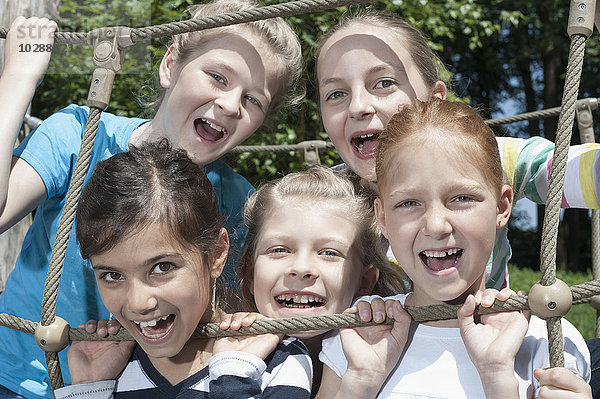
x=583, y=317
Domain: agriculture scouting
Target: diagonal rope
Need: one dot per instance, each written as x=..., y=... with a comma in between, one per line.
x=62, y=237
x=173, y=28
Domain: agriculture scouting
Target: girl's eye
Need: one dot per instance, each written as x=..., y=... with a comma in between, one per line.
x=330, y=252
x=335, y=95
x=217, y=77
x=111, y=276
x=162, y=268
x=279, y=250
x=462, y=198
x=384, y=84
x=407, y=204
x=253, y=100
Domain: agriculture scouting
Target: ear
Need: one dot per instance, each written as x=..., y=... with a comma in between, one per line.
x=368, y=279
x=380, y=216
x=439, y=90
x=504, y=206
x=166, y=70
x=221, y=254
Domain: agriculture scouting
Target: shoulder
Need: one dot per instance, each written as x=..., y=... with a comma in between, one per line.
x=289, y=347
x=229, y=185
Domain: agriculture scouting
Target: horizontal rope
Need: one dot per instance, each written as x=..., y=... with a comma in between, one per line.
x=581, y=294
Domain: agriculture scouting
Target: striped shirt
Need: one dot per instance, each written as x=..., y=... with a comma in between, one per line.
x=286, y=373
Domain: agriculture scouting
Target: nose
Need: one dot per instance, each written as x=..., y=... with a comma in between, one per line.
x=230, y=102
x=303, y=267
x=361, y=104
x=437, y=222
x=141, y=298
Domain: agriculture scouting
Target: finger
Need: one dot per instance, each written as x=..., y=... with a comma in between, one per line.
x=225, y=321
x=560, y=378
x=113, y=326
x=465, y=313
x=351, y=310
x=90, y=326
x=488, y=297
x=504, y=294
x=389, y=307
x=477, y=297
x=102, y=328
x=250, y=318
x=378, y=309
x=364, y=310
x=236, y=320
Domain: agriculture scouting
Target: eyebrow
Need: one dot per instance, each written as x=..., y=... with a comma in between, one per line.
x=150, y=261
x=378, y=68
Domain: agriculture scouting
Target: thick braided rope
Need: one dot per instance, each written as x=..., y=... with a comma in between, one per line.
x=596, y=257
x=254, y=14
x=551, y=216
x=214, y=21
x=272, y=148
x=581, y=294
x=62, y=237
x=420, y=314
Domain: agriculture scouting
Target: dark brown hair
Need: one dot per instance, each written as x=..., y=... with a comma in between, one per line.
x=148, y=184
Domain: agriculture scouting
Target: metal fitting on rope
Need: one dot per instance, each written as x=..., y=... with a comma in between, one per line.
x=311, y=151
x=581, y=18
x=108, y=58
x=546, y=301
x=585, y=118
x=53, y=337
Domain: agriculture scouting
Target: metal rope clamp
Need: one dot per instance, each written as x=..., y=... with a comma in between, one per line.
x=53, y=337
x=109, y=44
x=311, y=151
x=546, y=301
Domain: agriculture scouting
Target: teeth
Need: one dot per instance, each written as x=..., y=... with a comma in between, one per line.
x=216, y=127
x=360, y=147
x=299, y=298
x=149, y=323
x=440, y=254
x=366, y=136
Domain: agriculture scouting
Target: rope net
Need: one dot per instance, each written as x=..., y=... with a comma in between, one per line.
x=580, y=293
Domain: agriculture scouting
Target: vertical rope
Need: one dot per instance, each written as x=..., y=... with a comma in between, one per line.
x=62, y=238
x=596, y=257
x=557, y=175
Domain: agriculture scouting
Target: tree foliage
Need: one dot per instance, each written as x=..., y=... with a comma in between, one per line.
x=507, y=55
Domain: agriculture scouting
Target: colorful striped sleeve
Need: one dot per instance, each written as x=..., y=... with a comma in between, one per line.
x=527, y=164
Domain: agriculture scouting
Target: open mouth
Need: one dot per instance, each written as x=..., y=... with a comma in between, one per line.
x=365, y=144
x=157, y=328
x=441, y=260
x=300, y=301
x=208, y=130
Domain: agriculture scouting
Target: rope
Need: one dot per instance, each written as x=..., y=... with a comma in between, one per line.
x=557, y=175
x=581, y=294
x=213, y=21
x=62, y=237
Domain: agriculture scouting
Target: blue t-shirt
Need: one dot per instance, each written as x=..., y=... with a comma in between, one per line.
x=52, y=151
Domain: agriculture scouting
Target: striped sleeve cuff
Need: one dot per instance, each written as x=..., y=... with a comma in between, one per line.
x=240, y=364
x=92, y=390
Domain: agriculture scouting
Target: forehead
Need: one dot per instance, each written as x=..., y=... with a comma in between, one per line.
x=384, y=44
x=318, y=216
x=248, y=52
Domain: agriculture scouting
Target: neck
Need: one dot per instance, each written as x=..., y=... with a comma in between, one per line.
x=145, y=132
x=193, y=357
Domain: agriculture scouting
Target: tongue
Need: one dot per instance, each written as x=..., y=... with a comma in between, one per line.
x=438, y=264
x=207, y=132
x=366, y=146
